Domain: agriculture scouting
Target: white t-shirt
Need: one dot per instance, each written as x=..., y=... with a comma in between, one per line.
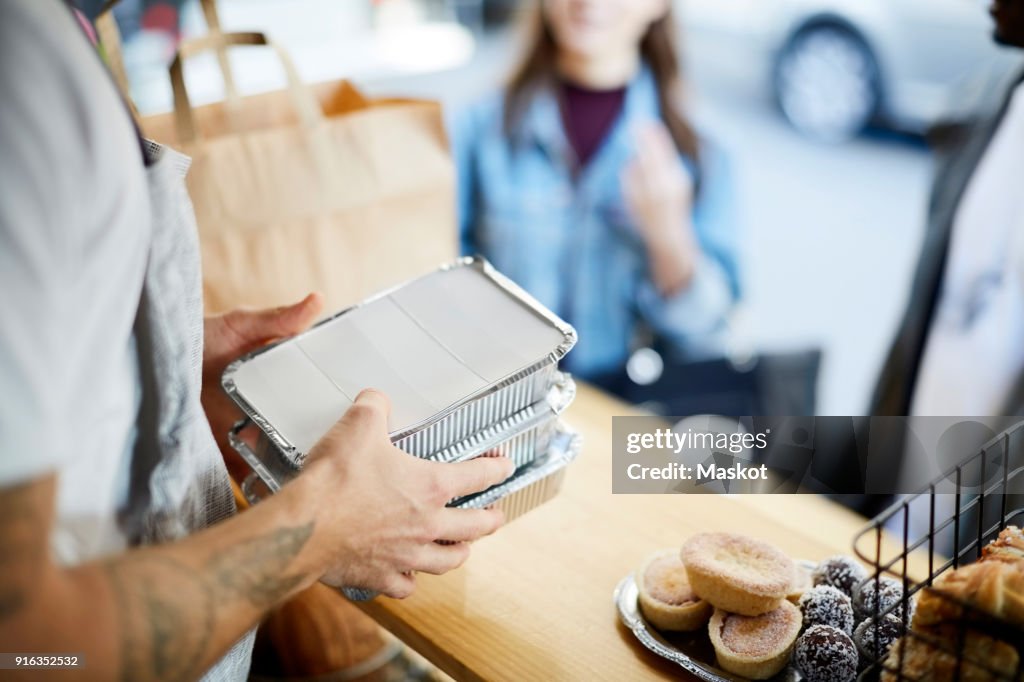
x=74, y=233
x=974, y=355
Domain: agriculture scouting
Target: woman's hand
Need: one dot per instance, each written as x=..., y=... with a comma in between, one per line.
x=229, y=336
x=659, y=193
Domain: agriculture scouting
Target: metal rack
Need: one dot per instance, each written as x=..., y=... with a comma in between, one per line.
x=939, y=529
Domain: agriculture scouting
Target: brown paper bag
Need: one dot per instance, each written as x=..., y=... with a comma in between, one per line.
x=311, y=189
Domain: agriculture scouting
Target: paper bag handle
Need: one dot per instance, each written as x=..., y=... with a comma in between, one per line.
x=110, y=38
x=213, y=26
x=302, y=97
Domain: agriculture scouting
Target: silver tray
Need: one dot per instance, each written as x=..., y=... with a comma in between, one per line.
x=691, y=651
x=529, y=487
x=521, y=438
x=533, y=484
x=509, y=360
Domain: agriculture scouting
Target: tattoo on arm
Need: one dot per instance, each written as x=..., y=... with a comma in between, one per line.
x=166, y=617
x=24, y=516
x=254, y=568
x=167, y=610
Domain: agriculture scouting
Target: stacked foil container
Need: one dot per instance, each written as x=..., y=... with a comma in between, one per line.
x=469, y=360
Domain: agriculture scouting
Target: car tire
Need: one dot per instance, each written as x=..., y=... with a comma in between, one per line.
x=827, y=82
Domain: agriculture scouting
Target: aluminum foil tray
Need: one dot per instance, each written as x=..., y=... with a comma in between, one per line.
x=529, y=487
x=456, y=436
x=521, y=437
x=533, y=484
x=455, y=350
x=521, y=440
x=478, y=414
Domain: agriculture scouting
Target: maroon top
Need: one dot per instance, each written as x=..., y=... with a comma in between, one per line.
x=588, y=115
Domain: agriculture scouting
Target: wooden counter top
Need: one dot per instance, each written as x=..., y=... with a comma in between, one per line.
x=534, y=602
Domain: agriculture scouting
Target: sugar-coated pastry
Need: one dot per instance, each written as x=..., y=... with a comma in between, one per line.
x=840, y=571
x=827, y=605
x=826, y=654
x=736, y=573
x=667, y=600
x=875, y=638
x=877, y=597
x=756, y=647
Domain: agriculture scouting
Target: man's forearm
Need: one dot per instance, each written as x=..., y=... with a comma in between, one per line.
x=362, y=513
x=166, y=612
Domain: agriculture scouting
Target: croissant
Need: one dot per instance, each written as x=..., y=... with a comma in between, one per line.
x=993, y=587
x=984, y=659
x=1008, y=547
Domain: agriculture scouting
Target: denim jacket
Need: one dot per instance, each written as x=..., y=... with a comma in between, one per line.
x=568, y=239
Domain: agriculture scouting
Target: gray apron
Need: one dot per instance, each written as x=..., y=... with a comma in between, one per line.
x=178, y=480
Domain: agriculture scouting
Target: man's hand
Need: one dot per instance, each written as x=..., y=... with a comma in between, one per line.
x=228, y=337
x=659, y=193
x=382, y=511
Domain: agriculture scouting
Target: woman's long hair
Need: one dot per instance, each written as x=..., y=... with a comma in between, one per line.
x=657, y=50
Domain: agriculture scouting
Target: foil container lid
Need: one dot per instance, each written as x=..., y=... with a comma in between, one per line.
x=433, y=344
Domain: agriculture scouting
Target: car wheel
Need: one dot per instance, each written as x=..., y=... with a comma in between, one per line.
x=827, y=83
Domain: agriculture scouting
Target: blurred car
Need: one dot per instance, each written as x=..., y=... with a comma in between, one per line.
x=836, y=66
x=480, y=15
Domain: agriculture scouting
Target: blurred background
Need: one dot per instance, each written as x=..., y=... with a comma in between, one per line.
x=821, y=105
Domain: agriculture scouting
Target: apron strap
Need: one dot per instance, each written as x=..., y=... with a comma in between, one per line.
x=132, y=517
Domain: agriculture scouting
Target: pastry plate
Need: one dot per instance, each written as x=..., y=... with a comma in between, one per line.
x=691, y=651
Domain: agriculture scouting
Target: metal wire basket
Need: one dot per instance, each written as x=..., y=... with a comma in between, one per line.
x=944, y=527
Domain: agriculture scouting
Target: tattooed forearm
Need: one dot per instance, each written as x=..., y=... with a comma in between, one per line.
x=255, y=568
x=23, y=510
x=166, y=617
x=155, y=613
x=167, y=610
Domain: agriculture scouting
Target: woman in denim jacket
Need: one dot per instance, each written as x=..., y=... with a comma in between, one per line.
x=584, y=182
